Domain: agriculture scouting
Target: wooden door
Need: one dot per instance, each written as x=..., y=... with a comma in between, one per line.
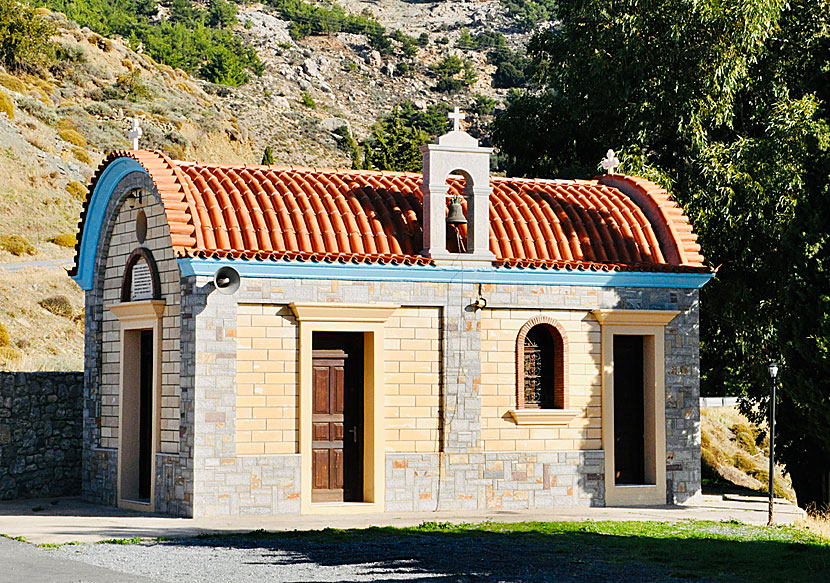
x=336, y=425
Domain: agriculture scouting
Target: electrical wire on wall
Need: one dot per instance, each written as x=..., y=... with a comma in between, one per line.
x=447, y=426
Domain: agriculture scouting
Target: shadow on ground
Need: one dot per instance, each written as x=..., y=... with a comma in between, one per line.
x=380, y=554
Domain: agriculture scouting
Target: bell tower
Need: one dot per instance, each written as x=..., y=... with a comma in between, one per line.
x=457, y=152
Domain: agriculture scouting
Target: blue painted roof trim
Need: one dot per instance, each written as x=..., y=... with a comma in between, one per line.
x=95, y=214
x=443, y=274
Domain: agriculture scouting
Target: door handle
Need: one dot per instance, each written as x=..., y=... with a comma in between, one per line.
x=353, y=431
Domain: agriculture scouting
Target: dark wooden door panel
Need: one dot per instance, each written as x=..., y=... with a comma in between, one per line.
x=320, y=465
x=321, y=389
x=336, y=426
x=320, y=432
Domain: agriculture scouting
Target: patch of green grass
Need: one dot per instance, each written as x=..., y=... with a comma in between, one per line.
x=120, y=541
x=71, y=543
x=17, y=538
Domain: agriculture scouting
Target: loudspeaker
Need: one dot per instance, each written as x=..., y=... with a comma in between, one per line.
x=226, y=280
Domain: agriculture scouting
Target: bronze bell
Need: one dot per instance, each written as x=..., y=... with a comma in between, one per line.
x=456, y=214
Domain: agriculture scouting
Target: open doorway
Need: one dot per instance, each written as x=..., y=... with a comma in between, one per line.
x=137, y=405
x=337, y=422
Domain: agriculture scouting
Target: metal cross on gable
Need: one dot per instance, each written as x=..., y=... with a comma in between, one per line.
x=611, y=162
x=135, y=133
x=456, y=116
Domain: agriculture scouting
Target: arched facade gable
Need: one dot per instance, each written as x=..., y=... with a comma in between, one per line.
x=560, y=375
x=98, y=217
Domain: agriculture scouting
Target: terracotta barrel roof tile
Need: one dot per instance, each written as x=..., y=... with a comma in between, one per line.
x=355, y=216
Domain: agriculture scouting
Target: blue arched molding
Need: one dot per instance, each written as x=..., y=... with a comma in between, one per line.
x=115, y=172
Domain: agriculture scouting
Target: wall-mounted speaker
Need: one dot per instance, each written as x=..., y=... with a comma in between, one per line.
x=226, y=280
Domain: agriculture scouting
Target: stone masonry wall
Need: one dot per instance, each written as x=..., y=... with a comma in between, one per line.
x=463, y=473
x=40, y=434
x=103, y=354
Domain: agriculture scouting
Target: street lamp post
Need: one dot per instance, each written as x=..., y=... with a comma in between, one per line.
x=773, y=374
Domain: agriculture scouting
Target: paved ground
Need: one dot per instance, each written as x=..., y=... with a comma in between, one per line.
x=68, y=519
x=350, y=557
x=23, y=563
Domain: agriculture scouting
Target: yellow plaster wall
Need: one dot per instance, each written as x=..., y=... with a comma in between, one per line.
x=412, y=348
x=499, y=330
x=266, y=388
x=122, y=244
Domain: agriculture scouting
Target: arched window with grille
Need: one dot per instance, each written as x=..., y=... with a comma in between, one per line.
x=541, y=363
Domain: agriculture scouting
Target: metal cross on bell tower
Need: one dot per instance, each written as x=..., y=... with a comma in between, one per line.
x=456, y=116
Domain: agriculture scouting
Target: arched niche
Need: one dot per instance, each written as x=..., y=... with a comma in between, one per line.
x=141, y=277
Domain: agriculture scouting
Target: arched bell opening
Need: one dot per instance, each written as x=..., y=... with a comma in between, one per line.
x=459, y=193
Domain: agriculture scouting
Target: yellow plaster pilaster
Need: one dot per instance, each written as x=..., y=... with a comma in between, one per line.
x=651, y=325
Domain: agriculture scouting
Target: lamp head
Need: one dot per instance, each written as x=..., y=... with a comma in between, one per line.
x=773, y=370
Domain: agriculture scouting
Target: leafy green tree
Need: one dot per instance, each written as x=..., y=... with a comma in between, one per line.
x=185, y=40
x=447, y=71
x=267, y=156
x=726, y=103
x=395, y=138
x=25, y=43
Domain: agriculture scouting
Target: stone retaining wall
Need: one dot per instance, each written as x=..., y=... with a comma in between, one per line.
x=41, y=418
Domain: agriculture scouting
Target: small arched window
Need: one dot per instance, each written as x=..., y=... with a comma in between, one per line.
x=541, y=363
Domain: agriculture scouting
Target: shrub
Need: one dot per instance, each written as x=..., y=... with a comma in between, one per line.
x=66, y=123
x=307, y=100
x=36, y=109
x=58, y=305
x=73, y=137
x=81, y=155
x=267, y=156
x=6, y=105
x=12, y=83
x=447, y=71
x=64, y=240
x=483, y=105
x=5, y=340
x=24, y=37
x=8, y=355
x=76, y=189
x=17, y=245
x=527, y=13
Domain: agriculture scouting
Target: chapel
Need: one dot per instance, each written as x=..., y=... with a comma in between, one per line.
x=290, y=340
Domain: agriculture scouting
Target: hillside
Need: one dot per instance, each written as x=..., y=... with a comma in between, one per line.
x=736, y=454
x=314, y=95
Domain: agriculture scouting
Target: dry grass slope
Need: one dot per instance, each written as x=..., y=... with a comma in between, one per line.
x=735, y=450
x=41, y=309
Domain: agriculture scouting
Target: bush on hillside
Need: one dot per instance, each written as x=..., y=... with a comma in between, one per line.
x=453, y=74
x=6, y=105
x=12, y=83
x=73, y=137
x=5, y=339
x=64, y=240
x=76, y=189
x=191, y=38
x=81, y=155
x=58, y=305
x=8, y=355
x=17, y=245
x=25, y=35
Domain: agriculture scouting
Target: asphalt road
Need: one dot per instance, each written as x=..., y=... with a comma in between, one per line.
x=64, y=263
x=24, y=563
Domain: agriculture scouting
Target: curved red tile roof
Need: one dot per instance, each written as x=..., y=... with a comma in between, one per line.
x=283, y=212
